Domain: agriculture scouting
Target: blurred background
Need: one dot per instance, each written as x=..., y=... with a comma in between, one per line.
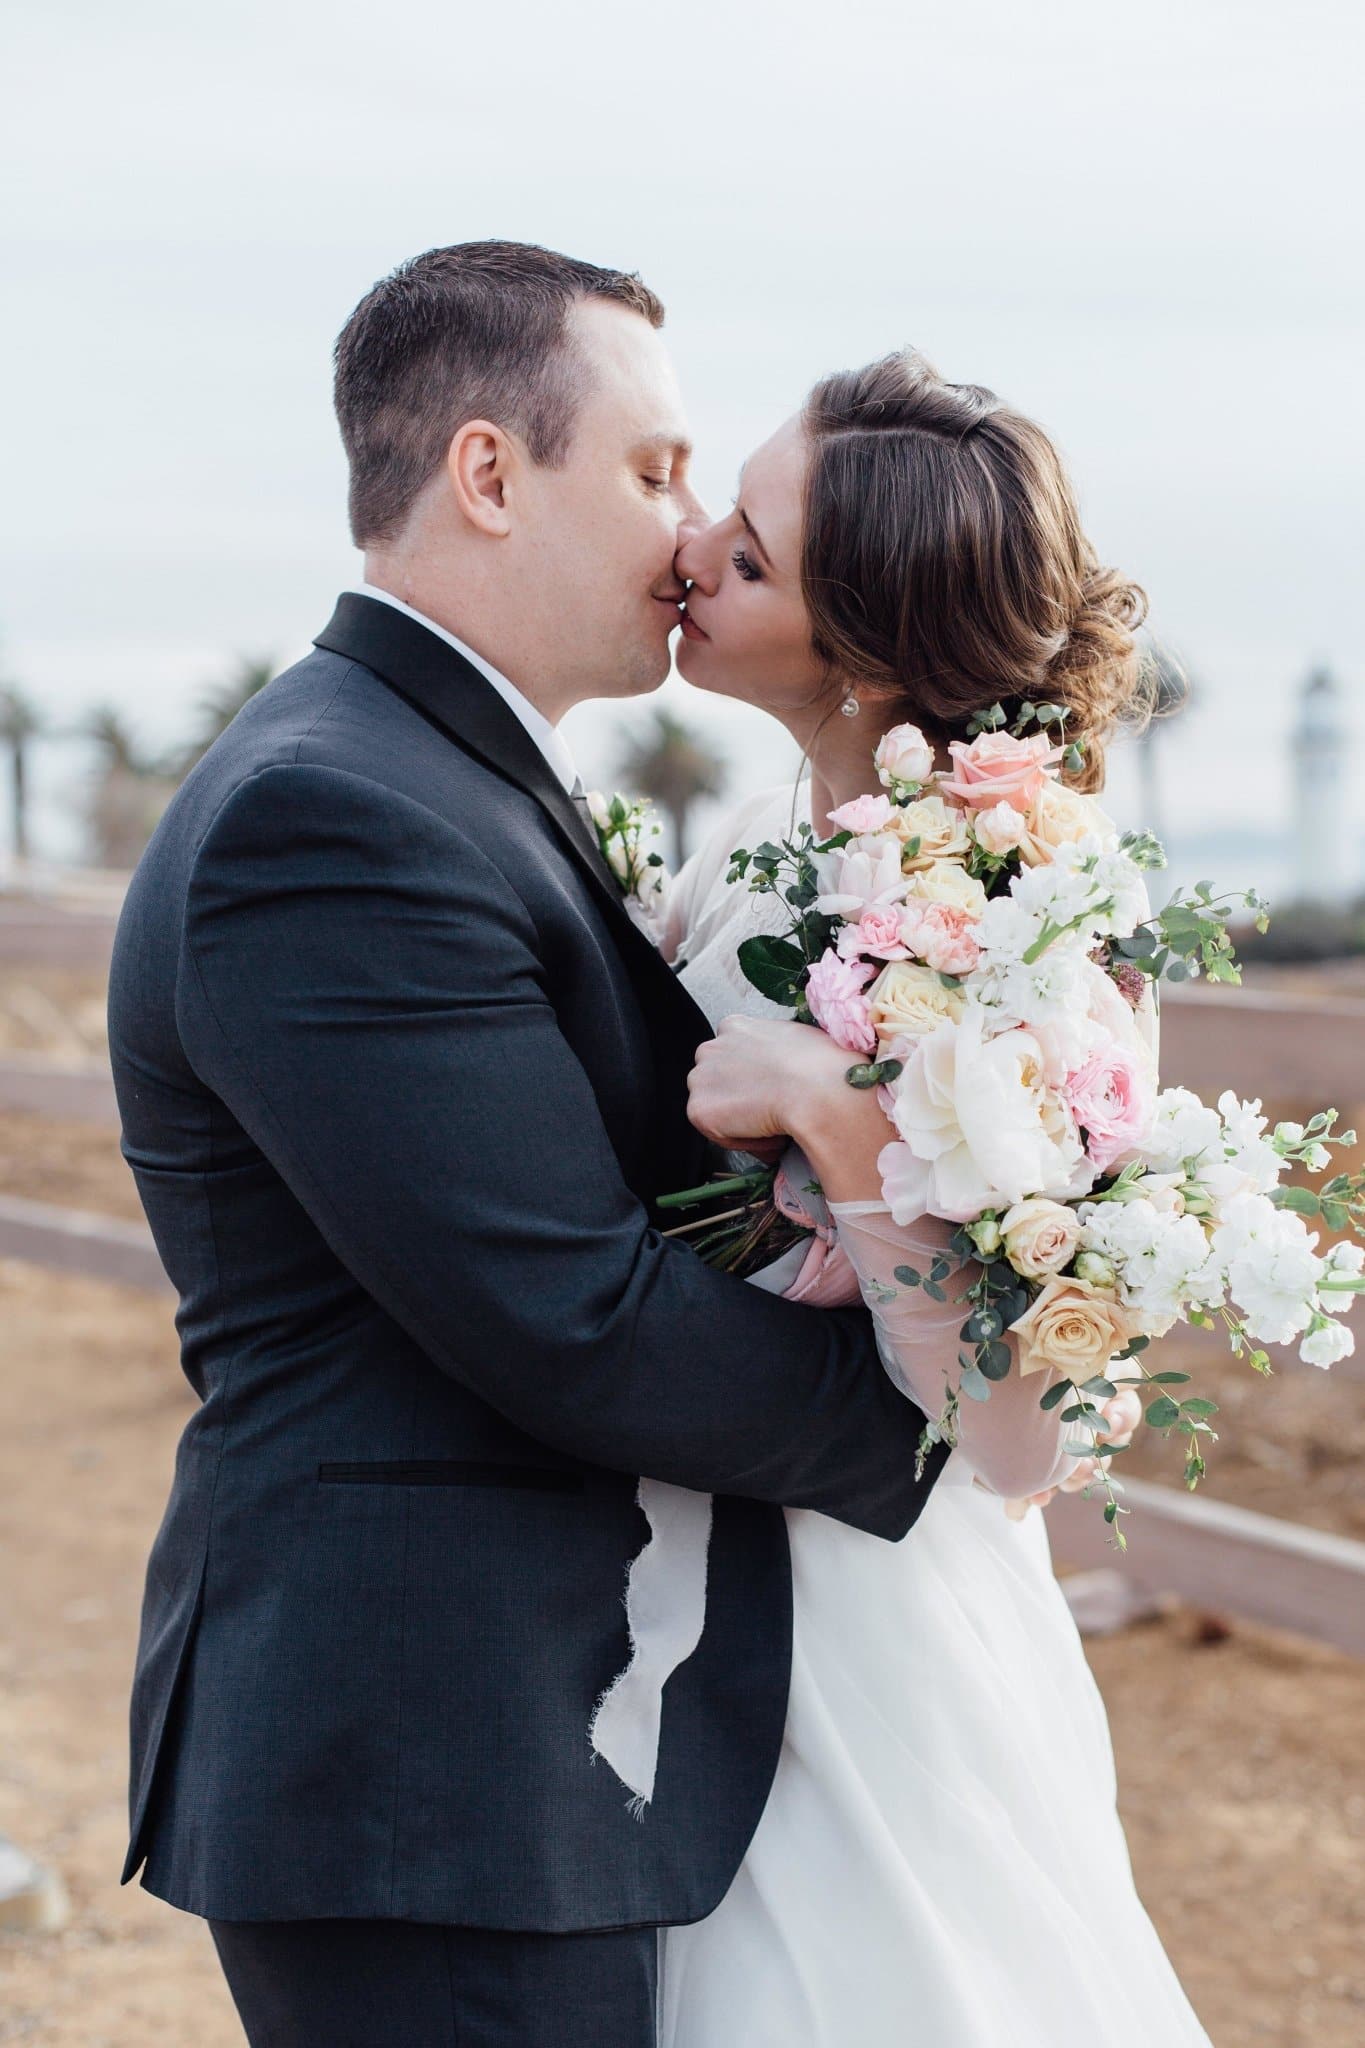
x=1138, y=223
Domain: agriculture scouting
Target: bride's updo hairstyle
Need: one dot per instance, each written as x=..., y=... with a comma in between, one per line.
x=944, y=567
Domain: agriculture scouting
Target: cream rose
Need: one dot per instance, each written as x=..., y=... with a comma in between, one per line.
x=1073, y=1328
x=1040, y=1236
x=1058, y=817
x=909, y=1001
x=947, y=881
x=940, y=829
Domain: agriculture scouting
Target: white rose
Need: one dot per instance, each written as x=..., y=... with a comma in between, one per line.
x=940, y=828
x=903, y=755
x=979, y=1130
x=947, y=881
x=1040, y=1236
x=909, y=1001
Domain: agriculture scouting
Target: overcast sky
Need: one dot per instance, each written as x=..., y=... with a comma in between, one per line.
x=1139, y=223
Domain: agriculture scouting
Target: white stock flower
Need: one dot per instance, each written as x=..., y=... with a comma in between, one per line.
x=1272, y=1273
x=1184, y=1129
x=866, y=871
x=1325, y=1346
x=1162, y=1259
x=1346, y=1260
x=1245, y=1145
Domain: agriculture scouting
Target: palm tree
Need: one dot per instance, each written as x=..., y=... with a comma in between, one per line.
x=221, y=705
x=19, y=725
x=672, y=764
x=1172, y=692
x=128, y=793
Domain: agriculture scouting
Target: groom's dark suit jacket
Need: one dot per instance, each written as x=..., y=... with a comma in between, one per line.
x=399, y=1082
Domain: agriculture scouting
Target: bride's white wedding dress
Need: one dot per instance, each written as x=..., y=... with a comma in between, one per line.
x=940, y=1863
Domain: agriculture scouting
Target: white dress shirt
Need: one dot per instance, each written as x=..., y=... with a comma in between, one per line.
x=547, y=737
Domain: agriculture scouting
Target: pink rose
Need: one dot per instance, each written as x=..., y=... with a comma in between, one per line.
x=1111, y=1097
x=995, y=768
x=940, y=934
x=878, y=932
x=838, y=1005
x=862, y=814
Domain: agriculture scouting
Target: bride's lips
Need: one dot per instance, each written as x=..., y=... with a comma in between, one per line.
x=691, y=630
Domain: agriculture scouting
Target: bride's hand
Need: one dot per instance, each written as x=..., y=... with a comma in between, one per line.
x=759, y=1080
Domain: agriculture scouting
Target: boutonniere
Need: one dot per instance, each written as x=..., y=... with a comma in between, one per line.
x=625, y=829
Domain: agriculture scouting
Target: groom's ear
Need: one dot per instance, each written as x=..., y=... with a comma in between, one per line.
x=478, y=462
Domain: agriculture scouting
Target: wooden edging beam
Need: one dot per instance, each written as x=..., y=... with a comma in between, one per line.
x=1231, y=1560
x=77, y=1241
x=71, y=1094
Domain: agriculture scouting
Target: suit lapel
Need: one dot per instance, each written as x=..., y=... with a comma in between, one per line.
x=451, y=695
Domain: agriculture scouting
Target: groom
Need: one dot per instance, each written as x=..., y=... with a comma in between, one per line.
x=400, y=1082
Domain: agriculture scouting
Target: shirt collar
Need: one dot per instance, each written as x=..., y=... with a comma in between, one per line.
x=547, y=737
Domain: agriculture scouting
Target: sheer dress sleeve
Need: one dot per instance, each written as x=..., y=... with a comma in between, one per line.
x=1012, y=1445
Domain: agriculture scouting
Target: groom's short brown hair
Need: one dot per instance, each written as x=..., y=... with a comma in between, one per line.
x=478, y=330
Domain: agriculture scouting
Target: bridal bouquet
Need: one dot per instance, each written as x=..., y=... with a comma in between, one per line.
x=982, y=941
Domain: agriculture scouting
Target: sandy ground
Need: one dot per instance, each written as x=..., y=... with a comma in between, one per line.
x=1238, y=1756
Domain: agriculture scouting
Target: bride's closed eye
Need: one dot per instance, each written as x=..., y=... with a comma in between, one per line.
x=746, y=567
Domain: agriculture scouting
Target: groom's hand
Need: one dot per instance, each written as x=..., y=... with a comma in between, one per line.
x=759, y=1082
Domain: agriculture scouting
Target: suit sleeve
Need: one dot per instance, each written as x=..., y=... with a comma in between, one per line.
x=362, y=987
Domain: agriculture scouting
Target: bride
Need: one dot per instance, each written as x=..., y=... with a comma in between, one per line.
x=940, y=1860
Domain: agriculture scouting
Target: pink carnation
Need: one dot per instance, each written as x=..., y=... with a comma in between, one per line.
x=941, y=935
x=996, y=768
x=1112, y=1098
x=838, y=1005
x=877, y=931
x=862, y=814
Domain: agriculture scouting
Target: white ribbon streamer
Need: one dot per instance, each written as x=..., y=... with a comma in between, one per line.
x=665, y=1608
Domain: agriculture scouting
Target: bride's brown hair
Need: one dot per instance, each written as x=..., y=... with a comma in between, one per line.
x=944, y=566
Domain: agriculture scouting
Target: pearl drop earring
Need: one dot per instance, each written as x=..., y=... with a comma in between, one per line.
x=850, y=706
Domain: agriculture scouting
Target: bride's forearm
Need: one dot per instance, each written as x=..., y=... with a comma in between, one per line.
x=843, y=1132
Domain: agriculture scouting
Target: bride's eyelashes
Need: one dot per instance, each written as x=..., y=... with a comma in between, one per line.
x=746, y=567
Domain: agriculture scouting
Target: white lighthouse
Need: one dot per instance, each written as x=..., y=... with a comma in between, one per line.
x=1325, y=828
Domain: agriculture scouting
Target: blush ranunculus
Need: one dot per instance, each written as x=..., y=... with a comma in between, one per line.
x=837, y=1003
x=941, y=935
x=996, y=768
x=1112, y=1098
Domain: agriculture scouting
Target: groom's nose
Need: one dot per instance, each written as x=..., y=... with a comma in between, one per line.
x=693, y=517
